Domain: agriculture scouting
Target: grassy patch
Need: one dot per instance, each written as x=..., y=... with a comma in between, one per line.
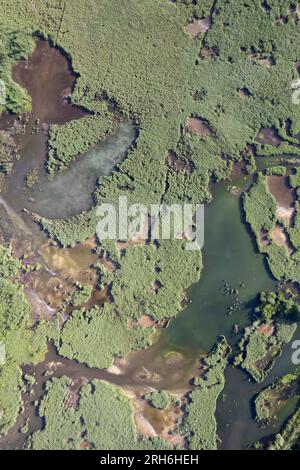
x=24, y=341
x=101, y=418
x=274, y=326
x=68, y=141
x=159, y=399
x=199, y=426
x=272, y=399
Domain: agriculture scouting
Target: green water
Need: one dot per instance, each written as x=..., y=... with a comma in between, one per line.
x=229, y=254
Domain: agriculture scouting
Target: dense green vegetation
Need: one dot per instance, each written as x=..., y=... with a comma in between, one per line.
x=68, y=141
x=69, y=232
x=271, y=400
x=9, y=265
x=199, y=426
x=82, y=295
x=24, y=341
x=260, y=207
x=288, y=437
x=158, y=399
x=8, y=154
x=260, y=210
x=276, y=305
x=100, y=417
x=158, y=76
x=32, y=178
x=16, y=43
x=87, y=336
x=96, y=337
x=273, y=327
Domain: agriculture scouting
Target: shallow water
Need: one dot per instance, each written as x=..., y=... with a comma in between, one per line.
x=230, y=255
x=49, y=80
x=71, y=191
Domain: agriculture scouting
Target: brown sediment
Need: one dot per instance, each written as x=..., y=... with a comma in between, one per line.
x=85, y=445
x=76, y=262
x=279, y=187
x=198, y=126
x=72, y=399
x=98, y=298
x=280, y=237
x=267, y=62
x=162, y=422
x=49, y=80
x=42, y=287
x=140, y=238
x=268, y=136
x=128, y=373
x=237, y=170
x=145, y=321
x=282, y=213
x=178, y=163
x=197, y=27
x=266, y=329
x=244, y=93
x=108, y=264
x=263, y=238
x=143, y=426
x=285, y=197
x=39, y=308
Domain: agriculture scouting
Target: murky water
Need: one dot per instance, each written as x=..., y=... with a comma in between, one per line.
x=71, y=191
x=48, y=79
x=229, y=255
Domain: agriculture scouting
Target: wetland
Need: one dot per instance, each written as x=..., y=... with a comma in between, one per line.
x=113, y=330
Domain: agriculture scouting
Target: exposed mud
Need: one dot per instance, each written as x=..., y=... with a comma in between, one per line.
x=268, y=136
x=196, y=27
x=198, y=126
x=281, y=238
x=279, y=187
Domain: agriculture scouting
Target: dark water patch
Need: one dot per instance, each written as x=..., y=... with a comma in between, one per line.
x=244, y=93
x=237, y=427
x=228, y=255
x=279, y=187
x=268, y=136
x=49, y=80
